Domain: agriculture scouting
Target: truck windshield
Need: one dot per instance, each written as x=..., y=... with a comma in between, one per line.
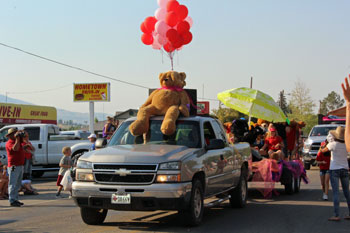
x=187, y=134
x=321, y=131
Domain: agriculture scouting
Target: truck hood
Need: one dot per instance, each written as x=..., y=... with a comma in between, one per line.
x=316, y=139
x=139, y=154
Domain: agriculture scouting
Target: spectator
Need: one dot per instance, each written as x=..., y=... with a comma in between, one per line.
x=92, y=139
x=346, y=93
x=108, y=128
x=323, y=160
x=338, y=170
x=15, y=154
x=28, y=154
x=65, y=165
x=4, y=180
x=27, y=188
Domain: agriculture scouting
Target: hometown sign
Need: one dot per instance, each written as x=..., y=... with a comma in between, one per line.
x=91, y=92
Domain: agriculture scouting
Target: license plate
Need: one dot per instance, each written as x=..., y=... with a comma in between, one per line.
x=121, y=199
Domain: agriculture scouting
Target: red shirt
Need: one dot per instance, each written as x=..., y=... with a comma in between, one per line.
x=273, y=141
x=27, y=155
x=291, y=138
x=15, y=158
x=322, y=157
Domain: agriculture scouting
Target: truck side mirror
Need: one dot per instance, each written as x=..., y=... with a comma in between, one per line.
x=100, y=143
x=215, y=144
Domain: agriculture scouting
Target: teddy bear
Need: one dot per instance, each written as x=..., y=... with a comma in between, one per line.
x=170, y=100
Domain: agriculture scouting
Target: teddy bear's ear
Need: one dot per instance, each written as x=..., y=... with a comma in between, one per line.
x=183, y=75
x=161, y=76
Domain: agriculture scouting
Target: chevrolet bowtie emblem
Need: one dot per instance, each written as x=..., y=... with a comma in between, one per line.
x=122, y=172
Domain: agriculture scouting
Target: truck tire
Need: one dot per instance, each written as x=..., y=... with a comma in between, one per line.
x=194, y=214
x=93, y=216
x=239, y=195
x=289, y=187
x=37, y=174
x=297, y=184
x=307, y=166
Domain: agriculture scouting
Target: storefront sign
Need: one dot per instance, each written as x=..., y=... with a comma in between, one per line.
x=27, y=114
x=87, y=92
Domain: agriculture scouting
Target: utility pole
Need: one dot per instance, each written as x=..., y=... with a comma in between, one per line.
x=6, y=96
x=251, y=82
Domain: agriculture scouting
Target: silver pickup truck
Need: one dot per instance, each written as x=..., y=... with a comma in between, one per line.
x=194, y=168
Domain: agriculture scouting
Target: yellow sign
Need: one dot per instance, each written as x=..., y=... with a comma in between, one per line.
x=86, y=92
x=27, y=114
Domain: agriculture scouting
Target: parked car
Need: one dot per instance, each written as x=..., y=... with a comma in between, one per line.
x=312, y=144
x=77, y=134
x=174, y=172
x=48, y=143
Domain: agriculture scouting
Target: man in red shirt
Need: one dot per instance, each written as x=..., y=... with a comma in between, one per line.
x=15, y=155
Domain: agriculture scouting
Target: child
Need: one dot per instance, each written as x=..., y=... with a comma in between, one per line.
x=4, y=180
x=324, y=160
x=65, y=165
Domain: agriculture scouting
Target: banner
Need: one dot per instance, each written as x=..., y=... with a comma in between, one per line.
x=27, y=114
x=95, y=92
x=203, y=107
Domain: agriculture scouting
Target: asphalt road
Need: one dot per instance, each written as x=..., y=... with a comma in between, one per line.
x=302, y=212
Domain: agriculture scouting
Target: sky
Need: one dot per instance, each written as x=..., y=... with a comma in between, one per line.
x=276, y=42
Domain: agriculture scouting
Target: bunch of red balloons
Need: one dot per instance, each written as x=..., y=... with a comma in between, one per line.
x=169, y=28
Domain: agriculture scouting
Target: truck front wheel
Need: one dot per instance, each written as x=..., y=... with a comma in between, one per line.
x=93, y=216
x=194, y=214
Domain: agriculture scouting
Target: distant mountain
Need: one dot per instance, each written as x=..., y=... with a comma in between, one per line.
x=65, y=115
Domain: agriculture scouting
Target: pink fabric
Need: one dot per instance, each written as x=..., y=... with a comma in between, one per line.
x=269, y=171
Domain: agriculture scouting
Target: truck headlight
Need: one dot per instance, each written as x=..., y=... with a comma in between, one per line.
x=307, y=147
x=170, y=166
x=84, y=176
x=84, y=164
x=163, y=178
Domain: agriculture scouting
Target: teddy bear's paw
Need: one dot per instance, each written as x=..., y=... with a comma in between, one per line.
x=168, y=127
x=137, y=128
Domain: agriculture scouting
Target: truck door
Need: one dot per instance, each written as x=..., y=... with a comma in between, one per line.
x=217, y=163
x=40, y=154
x=54, y=147
x=3, y=140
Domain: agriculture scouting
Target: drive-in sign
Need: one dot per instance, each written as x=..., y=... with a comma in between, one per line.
x=27, y=114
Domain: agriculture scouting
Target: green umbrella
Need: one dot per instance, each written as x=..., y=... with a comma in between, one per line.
x=253, y=103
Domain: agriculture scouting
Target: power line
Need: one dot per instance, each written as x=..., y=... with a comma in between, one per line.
x=73, y=67
x=76, y=68
x=33, y=92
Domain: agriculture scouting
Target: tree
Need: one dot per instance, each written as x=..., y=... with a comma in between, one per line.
x=330, y=103
x=96, y=120
x=302, y=105
x=282, y=102
x=227, y=114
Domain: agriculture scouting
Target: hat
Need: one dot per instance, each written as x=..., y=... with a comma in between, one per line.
x=92, y=135
x=272, y=129
x=11, y=131
x=338, y=133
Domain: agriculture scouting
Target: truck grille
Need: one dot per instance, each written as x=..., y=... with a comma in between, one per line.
x=125, y=173
x=110, y=178
x=315, y=146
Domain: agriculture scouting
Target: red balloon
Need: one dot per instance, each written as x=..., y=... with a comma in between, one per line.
x=147, y=39
x=144, y=29
x=172, y=35
x=187, y=37
x=168, y=47
x=149, y=23
x=182, y=12
x=178, y=42
x=171, y=19
x=172, y=5
x=183, y=27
